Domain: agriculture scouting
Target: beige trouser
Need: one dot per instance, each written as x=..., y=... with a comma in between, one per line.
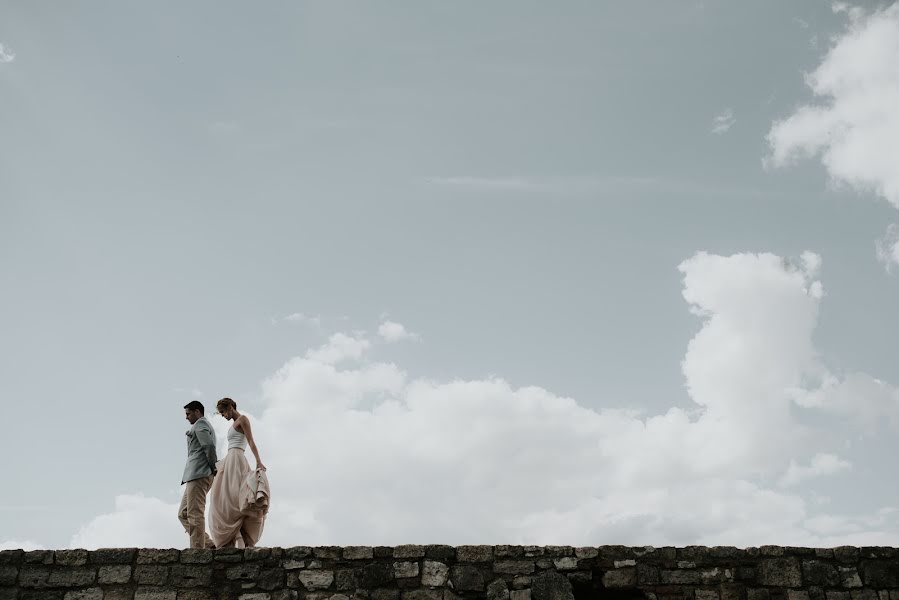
x=192, y=511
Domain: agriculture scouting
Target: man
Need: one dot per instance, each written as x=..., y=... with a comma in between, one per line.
x=198, y=475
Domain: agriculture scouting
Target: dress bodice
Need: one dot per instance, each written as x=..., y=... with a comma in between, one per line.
x=236, y=439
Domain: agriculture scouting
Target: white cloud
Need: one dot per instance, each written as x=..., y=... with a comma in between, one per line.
x=340, y=347
x=724, y=121
x=821, y=464
x=392, y=331
x=299, y=317
x=6, y=54
x=887, y=247
x=361, y=453
x=854, y=125
x=136, y=521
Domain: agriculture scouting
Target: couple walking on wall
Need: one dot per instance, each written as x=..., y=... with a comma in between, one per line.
x=239, y=494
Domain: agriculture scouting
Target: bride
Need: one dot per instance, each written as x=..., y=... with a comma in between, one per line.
x=233, y=508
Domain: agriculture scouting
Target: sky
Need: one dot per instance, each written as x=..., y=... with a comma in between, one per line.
x=511, y=272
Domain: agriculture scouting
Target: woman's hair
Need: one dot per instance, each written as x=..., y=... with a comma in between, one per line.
x=225, y=403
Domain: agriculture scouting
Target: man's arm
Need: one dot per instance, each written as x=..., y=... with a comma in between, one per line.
x=207, y=441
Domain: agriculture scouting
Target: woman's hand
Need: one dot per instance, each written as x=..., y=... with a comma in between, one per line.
x=259, y=465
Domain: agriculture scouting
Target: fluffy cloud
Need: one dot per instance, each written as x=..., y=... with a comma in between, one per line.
x=6, y=54
x=395, y=332
x=723, y=122
x=359, y=453
x=854, y=126
x=340, y=347
x=821, y=464
x=136, y=521
x=303, y=318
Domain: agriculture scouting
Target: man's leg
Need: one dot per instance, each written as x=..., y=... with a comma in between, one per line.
x=182, y=512
x=196, y=511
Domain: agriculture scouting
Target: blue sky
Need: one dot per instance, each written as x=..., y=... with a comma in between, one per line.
x=621, y=239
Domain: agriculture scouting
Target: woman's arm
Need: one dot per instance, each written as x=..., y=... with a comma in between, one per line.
x=248, y=431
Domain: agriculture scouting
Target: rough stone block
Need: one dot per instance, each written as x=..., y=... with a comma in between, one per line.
x=506, y=551
x=558, y=551
x=403, y=569
x=880, y=574
x=154, y=594
x=71, y=558
x=112, y=556
x=255, y=596
x=316, y=580
x=586, y=552
x=11, y=557
x=824, y=552
x=566, y=563
x=118, y=593
x=195, y=595
x=849, y=577
x=150, y=556
x=440, y=552
x=297, y=552
x=781, y=572
x=725, y=552
x=533, y=551
x=189, y=576
x=620, y=578
x=151, y=575
x=771, y=550
x=32, y=577
x=358, y=553
x=647, y=574
x=846, y=554
x=520, y=595
x=228, y=555
x=423, y=595
x=346, y=579
x=711, y=576
x=679, y=577
x=254, y=554
x=42, y=557
x=72, y=577
x=376, y=575
x=326, y=552
x=732, y=591
x=474, y=554
x=8, y=574
x=797, y=595
x=111, y=574
x=243, y=572
x=551, y=586
x=864, y=594
x=409, y=551
x=467, y=578
x=706, y=594
x=497, y=590
x=88, y=594
x=386, y=594
x=836, y=595
x=818, y=572
x=521, y=582
x=196, y=556
x=434, y=574
x=514, y=567
x=758, y=594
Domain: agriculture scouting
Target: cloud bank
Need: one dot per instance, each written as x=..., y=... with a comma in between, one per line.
x=853, y=124
x=360, y=453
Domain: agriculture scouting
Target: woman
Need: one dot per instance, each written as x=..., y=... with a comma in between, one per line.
x=230, y=512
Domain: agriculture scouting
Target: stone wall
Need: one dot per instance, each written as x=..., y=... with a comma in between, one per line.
x=454, y=573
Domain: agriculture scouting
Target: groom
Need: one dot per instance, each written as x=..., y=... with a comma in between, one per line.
x=198, y=475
